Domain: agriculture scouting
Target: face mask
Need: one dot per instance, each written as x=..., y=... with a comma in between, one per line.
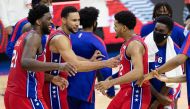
x=158, y=15
x=159, y=37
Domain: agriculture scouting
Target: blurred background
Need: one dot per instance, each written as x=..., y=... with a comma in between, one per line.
x=141, y=8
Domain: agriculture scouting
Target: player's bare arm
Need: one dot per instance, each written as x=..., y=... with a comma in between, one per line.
x=171, y=64
x=177, y=79
x=61, y=44
x=97, y=56
x=31, y=47
x=135, y=50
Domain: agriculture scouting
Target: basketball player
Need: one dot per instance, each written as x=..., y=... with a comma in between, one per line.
x=133, y=65
x=59, y=50
x=26, y=77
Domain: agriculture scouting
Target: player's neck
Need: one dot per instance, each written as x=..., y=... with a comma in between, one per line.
x=89, y=29
x=128, y=35
x=65, y=29
x=37, y=30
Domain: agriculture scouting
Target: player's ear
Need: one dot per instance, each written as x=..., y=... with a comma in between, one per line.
x=124, y=28
x=63, y=20
x=38, y=22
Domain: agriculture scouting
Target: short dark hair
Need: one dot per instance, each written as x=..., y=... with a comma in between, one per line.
x=126, y=18
x=36, y=13
x=88, y=16
x=67, y=10
x=162, y=4
x=165, y=20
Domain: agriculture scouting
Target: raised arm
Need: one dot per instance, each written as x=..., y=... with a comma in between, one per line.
x=177, y=79
x=172, y=63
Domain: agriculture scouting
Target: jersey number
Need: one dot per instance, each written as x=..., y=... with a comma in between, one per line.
x=14, y=58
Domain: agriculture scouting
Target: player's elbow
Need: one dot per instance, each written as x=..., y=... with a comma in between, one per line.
x=25, y=64
x=180, y=59
x=139, y=74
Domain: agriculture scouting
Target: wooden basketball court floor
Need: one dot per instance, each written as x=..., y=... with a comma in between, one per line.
x=101, y=101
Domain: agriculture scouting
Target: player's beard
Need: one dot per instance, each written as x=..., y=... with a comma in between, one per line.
x=45, y=30
x=71, y=30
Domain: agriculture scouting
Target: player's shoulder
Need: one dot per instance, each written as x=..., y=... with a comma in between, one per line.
x=148, y=24
x=98, y=39
x=177, y=25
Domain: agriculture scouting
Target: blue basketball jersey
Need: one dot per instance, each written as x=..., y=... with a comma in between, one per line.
x=81, y=86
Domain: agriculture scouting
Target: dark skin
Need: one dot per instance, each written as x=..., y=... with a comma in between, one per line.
x=162, y=95
x=178, y=61
x=33, y=46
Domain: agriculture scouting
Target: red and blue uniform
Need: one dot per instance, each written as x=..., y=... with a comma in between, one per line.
x=54, y=97
x=176, y=35
x=157, y=84
x=130, y=95
x=24, y=88
x=17, y=32
x=84, y=44
x=185, y=49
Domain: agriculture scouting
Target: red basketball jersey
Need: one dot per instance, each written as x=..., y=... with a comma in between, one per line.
x=22, y=82
x=55, y=98
x=126, y=64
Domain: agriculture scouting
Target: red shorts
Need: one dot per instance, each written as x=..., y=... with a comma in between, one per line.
x=13, y=101
x=131, y=98
x=57, y=98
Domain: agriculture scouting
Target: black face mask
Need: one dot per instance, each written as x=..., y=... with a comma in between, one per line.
x=158, y=15
x=159, y=37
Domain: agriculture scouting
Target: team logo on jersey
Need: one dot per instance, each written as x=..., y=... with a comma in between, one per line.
x=159, y=59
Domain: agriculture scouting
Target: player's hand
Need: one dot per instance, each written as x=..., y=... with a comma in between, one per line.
x=106, y=93
x=97, y=56
x=162, y=78
x=62, y=83
x=146, y=78
x=103, y=85
x=69, y=68
x=112, y=62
